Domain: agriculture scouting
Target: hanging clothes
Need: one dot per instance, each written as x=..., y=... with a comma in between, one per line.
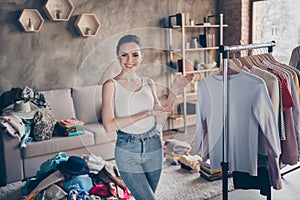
x=289, y=112
x=242, y=180
x=249, y=109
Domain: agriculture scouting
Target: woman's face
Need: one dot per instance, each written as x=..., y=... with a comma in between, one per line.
x=130, y=56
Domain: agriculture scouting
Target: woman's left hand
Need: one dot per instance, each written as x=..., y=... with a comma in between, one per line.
x=165, y=111
x=180, y=82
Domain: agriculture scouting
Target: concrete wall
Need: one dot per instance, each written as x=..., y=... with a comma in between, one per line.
x=58, y=57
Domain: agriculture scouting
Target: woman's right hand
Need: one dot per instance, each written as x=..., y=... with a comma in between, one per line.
x=156, y=112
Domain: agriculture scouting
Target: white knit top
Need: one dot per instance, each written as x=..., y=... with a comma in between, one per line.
x=128, y=103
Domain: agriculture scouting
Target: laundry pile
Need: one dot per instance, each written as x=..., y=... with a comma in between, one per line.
x=76, y=178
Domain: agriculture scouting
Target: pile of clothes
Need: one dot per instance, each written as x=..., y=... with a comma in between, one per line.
x=174, y=149
x=25, y=114
x=178, y=153
x=75, y=178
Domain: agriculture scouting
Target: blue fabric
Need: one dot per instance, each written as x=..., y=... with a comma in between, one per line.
x=46, y=168
x=80, y=195
x=52, y=163
x=139, y=159
x=78, y=183
x=28, y=123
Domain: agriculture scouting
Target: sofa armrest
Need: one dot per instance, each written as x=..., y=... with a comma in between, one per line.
x=10, y=159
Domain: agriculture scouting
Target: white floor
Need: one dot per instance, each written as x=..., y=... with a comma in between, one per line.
x=290, y=189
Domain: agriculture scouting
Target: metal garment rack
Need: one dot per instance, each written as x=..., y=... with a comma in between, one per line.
x=225, y=50
x=291, y=170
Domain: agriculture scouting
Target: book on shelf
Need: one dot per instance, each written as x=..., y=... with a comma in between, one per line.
x=202, y=40
x=207, y=40
x=210, y=40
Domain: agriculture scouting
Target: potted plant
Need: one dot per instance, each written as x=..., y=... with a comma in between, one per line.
x=87, y=30
x=197, y=65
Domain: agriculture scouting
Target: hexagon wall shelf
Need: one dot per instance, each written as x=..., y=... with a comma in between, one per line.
x=59, y=10
x=87, y=24
x=31, y=20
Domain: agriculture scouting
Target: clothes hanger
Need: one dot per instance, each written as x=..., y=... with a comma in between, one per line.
x=232, y=67
x=253, y=59
x=258, y=59
x=267, y=56
x=245, y=62
x=234, y=63
x=237, y=62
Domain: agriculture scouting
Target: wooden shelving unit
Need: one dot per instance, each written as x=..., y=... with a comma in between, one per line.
x=87, y=24
x=59, y=10
x=31, y=20
x=185, y=52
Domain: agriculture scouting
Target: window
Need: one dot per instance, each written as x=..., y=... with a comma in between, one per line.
x=277, y=20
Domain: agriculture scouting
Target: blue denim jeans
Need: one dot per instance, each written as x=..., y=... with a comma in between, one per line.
x=139, y=158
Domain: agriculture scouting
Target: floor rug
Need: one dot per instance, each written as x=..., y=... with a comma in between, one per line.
x=174, y=184
x=177, y=183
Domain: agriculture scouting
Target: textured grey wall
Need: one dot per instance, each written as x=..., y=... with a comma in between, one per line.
x=58, y=57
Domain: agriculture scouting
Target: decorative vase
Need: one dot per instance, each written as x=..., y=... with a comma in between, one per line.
x=30, y=25
x=58, y=14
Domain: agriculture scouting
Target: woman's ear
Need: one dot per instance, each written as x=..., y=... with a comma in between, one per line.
x=142, y=56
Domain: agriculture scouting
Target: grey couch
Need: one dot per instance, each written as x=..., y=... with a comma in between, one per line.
x=84, y=103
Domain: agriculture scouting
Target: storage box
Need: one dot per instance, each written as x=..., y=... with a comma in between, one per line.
x=190, y=108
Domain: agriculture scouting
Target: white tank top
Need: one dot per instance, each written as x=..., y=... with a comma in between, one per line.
x=129, y=103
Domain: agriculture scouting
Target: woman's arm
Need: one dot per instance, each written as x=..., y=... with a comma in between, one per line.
x=160, y=119
x=111, y=123
x=178, y=84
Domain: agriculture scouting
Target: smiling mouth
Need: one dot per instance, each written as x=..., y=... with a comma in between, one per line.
x=129, y=65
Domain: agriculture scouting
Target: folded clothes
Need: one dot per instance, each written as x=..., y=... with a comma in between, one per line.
x=176, y=147
x=190, y=160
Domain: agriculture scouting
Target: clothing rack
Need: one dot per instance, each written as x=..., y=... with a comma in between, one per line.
x=225, y=50
x=291, y=170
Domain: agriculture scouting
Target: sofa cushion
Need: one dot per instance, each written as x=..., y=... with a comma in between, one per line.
x=101, y=136
x=61, y=103
x=88, y=102
x=57, y=144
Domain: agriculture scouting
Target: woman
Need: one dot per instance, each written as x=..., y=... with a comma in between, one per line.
x=131, y=107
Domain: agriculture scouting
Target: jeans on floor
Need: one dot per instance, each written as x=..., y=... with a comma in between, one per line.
x=139, y=159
